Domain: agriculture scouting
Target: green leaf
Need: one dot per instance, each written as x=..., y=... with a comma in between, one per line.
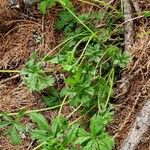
x=15, y=137
x=35, y=77
x=81, y=140
x=99, y=122
x=59, y=124
x=96, y=125
x=4, y=124
x=20, y=127
x=112, y=50
x=6, y=117
x=65, y=18
x=43, y=7
x=71, y=135
x=122, y=59
x=46, y=4
x=66, y=3
x=20, y=115
x=51, y=100
x=146, y=13
x=106, y=142
x=40, y=120
x=40, y=135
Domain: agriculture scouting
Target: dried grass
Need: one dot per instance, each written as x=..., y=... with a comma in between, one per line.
x=133, y=89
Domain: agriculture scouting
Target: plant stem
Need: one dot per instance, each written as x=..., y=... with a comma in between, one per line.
x=61, y=106
x=84, y=1
x=61, y=45
x=74, y=111
x=81, y=116
x=84, y=49
x=37, y=110
x=111, y=86
x=10, y=71
x=80, y=21
x=39, y=145
x=107, y=5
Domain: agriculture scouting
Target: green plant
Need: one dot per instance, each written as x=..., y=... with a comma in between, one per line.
x=14, y=127
x=57, y=136
x=34, y=76
x=62, y=135
x=53, y=99
x=45, y=4
x=89, y=56
x=97, y=138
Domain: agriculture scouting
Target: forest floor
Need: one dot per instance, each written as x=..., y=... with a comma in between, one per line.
x=17, y=41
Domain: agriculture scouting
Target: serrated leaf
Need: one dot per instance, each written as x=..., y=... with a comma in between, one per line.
x=35, y=77
x=40, y=120
x=59, y=123
x=19, y=126
x=65, y=18
x=4, y=124
x=20, y=115
x=15, y=137
x=71, y=135
x=96, y=125
x=41, y=135
x=99, y=122
x=81, y=140
x=6, y=116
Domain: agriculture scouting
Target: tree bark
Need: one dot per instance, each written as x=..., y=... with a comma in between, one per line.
x=140, y=126
x=129, y=31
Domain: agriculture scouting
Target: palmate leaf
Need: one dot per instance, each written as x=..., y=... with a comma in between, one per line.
x=38, y=82
x=99, y=122
x=59, y=124
x=97, y=138
x=40, y=120
x=105, y=141
x=83, y=136
x=53, y=99
x=35, y=77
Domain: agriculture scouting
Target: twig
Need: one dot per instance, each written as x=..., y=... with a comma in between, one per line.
x=9, y=79
x=138, y=17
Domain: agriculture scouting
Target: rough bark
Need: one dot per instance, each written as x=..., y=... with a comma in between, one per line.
x=140, y=126
x=129, y=32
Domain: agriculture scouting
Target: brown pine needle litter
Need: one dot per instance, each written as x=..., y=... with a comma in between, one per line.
x=17, y=42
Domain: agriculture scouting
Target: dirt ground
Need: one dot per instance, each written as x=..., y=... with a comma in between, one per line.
x=18, y=32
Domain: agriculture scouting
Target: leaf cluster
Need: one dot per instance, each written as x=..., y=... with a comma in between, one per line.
x=34, y=76
x=62, y=136
x=14, y=127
